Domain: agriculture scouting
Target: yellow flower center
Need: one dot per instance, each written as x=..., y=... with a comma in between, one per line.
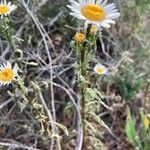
x=4, y=9
x=93, y=12
x=6, y=75
x=100, y=70
x=79, y=37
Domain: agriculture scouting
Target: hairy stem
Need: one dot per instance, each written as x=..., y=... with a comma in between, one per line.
x=83, y=84
x=8, y=35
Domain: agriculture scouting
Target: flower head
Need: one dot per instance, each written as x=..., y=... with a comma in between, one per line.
x=97, y=13
x=100, y=69
x=79, y=37
x=7, y=73
x=5, y=8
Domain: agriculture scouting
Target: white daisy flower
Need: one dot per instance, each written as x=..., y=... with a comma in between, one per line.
x=100, y=69
x=6, y=9
x=7, y=73
x=95, y=12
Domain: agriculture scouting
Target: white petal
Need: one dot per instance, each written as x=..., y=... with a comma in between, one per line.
x=82, y=2
x=105, y=25
x=109, y=21
x=5, y=2
x=109, y=6
x=15, y=69
x=113, y=15
x=99, y=2
x=74, y=3
x=104, y=3
x=13, y=7
x=8, y=64
x=77, y=15
x=9, y=4
x=90, y=2
x=111, y=11
x=74, y=9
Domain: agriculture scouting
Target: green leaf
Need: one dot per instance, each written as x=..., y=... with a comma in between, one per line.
x=131, y=131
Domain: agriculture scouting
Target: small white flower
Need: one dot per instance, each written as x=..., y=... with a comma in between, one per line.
x=100, y=69
x=7, y=73
x=95, y=12
x=6, y=9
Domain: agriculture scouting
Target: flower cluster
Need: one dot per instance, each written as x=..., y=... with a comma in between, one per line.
x=98, y=14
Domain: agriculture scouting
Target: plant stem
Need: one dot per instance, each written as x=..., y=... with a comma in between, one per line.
x=83, y=84
x=82, y=90
x=8, y=35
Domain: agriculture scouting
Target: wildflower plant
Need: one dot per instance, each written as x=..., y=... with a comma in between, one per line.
x=13, y=75
x=95, y=15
